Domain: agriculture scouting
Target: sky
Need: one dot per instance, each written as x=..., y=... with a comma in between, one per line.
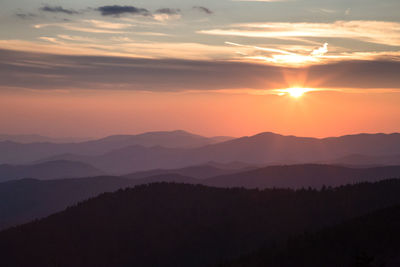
x=223, y=67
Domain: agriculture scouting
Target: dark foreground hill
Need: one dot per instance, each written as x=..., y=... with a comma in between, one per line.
x=183, y=225
x=367, y=241
x=28, y=199
x=48, y=170
x=24, y=200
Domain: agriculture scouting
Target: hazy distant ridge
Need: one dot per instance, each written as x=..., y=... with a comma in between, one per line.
x=18, y=153
x=48, y=170
x=261, y=149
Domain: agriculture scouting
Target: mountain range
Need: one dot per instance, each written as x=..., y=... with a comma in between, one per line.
x=180, y=199
x=261, y=149
x=124, y=154
x=21, y=153
x=36, y=138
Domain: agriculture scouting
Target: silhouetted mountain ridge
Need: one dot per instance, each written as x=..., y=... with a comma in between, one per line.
x=368, y=241
x=366, y=160
x=200, y=171
x=303, y=176
x=183, y=225
x=29, y=199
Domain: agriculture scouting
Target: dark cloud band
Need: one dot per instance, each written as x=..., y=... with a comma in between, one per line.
x=112, y=10
x=95, y=72
x=116, y=10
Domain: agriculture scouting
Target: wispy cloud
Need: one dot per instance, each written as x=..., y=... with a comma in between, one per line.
x=58, y=9
x=107, y=25
x=76, y=38
x=76, y=28
x=379, y=32
x=281, y=56
x=323, y=10
x=123, y=46
x=91, y=26
x=50, y=39
x=29, y=15
x=203, y=9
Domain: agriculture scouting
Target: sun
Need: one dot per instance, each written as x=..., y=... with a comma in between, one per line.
x=296, y=92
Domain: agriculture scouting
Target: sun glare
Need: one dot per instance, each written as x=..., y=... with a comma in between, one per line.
x=296, y=92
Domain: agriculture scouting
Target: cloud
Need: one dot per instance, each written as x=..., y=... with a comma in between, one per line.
x=124, y=42
x=107, y=25
x=76, y=38
x=168, y=11
x=281, y=56
x=26, y=15
x=203, y=9
x=165, y=14
x=27, y=70
x=50, y=39
x=302, y=56
x=58, y=9
x=117, y=10
x=90, y=26
x=320, y=51
x=323, y=10
x=125, y=47
x=378, y=32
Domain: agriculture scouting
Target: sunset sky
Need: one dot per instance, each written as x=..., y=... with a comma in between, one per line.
x=213, y=67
